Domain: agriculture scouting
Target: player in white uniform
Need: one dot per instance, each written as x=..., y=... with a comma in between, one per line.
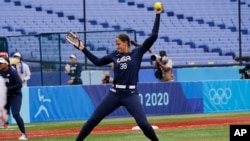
x=3, y=113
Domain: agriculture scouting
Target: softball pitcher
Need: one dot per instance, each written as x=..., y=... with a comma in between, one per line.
x=124, y=89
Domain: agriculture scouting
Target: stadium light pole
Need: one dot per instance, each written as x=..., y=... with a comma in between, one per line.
x=84, y=30
x=239, y=24
x=85, y=36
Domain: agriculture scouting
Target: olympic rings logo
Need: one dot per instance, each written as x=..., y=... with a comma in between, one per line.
x=220, y=96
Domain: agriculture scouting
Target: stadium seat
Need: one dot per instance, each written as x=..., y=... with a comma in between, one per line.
x=186, y=23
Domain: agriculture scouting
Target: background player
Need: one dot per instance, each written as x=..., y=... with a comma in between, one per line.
x=123, y=92
x=23, y=69
x=74, y=71
x=14, y=94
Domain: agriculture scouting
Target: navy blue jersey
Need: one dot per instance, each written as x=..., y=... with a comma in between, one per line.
x=13, y=81
x=75, y=70
x=127, y=65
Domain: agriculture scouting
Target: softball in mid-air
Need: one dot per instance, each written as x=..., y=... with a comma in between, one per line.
x=158, y=6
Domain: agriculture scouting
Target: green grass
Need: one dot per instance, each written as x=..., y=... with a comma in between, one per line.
x=216, y=133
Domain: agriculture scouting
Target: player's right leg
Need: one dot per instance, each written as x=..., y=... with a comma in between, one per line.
x=107, y=105
x=134, y=107
x=16, y=102
x=7, y=108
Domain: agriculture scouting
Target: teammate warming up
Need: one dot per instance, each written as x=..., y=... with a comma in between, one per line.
x=123, y=91
x=14, y=94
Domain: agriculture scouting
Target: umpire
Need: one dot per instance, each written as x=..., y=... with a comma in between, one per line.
x=74, y=71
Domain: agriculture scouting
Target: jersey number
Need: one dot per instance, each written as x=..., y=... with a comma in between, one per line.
x=123, y=66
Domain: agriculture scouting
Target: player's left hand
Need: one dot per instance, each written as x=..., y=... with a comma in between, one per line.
x=67, y=68
x=74, y=40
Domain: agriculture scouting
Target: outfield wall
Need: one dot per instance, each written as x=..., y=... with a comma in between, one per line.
x=60, y=103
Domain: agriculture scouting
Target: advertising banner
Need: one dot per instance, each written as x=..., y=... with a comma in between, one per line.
x=156, y=98
x=226, y=96
x=59, y=103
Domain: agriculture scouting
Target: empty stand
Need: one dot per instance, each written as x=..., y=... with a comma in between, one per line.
x=187, y=27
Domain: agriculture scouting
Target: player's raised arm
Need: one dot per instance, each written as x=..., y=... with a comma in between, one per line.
x=147, y=44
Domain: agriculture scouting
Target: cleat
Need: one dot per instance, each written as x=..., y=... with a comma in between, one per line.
x=23, y=137
x=5, y=126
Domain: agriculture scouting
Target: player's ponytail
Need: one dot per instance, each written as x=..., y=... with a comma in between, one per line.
x=124, y=37
x=138, y=45
x=134, y=43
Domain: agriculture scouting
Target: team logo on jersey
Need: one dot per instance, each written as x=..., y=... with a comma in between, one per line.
x=123, y=59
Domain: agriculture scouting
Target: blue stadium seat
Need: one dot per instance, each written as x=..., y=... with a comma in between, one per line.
x=186, y=23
